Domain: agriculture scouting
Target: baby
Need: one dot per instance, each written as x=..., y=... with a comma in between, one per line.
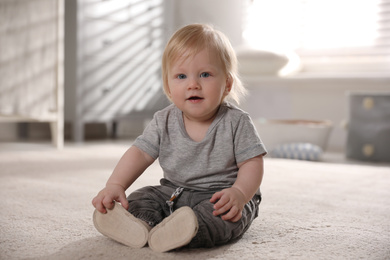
x=209, y=150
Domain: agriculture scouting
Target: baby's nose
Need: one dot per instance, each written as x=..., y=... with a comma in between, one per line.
x=193, y=84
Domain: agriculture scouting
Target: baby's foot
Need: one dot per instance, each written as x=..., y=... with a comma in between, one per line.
x=121, y=226
x=175, y=231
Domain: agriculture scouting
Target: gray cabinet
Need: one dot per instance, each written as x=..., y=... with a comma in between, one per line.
x=113, y=52
x=368, y=136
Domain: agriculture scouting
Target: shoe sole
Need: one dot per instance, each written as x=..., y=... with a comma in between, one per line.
x=175, y=231
x=121, y=226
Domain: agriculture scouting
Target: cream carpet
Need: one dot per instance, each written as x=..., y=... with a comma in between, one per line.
x=309, y=210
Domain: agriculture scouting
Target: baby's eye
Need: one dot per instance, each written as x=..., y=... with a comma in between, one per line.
x=181, y=76
x=204, y=75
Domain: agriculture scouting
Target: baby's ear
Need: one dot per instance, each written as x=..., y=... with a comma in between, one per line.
x=229, y=84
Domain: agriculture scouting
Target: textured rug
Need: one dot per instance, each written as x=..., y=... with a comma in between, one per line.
x=310, y=210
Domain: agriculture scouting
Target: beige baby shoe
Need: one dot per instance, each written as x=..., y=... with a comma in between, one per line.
x=175, y=231
x=121, y=226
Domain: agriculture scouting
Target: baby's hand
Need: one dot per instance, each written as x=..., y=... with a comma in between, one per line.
x=106, y=197
x=230, y=201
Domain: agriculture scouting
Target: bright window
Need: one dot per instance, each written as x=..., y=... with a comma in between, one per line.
x=347, y=35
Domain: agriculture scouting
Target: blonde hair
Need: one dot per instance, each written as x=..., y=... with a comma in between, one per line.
x=192, y=39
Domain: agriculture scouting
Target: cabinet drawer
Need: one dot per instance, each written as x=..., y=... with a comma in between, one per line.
x=111, y=89
x=116, y=10
x=110, y=41
x=135, y=11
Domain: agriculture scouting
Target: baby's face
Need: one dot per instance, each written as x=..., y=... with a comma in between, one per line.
x=197, y=85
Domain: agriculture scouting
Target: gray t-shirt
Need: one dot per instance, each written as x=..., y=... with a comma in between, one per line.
x=207, y=165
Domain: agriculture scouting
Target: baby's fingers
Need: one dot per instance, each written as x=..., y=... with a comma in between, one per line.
x=108, y=202
x=216, y=196
x=237, y=217
x=219, y=199
x=221, y=207
x=233, y=215
x=97, y=203
x=123, y=201
x=222, y=204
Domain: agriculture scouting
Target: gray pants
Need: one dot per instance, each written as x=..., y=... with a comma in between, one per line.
x=149, y=204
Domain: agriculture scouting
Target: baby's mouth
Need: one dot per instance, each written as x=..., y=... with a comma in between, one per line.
x=195, y=98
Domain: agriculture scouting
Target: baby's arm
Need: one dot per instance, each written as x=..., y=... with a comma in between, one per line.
x=232, y=200
x=132, y=164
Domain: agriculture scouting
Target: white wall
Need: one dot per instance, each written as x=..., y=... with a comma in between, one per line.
x=310, y=98
x=224, y=15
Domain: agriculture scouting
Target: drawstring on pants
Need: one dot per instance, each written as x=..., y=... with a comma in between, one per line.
x=174, y=196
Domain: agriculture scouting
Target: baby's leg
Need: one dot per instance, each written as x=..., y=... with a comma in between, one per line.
x=213, y=230
x=149, y=203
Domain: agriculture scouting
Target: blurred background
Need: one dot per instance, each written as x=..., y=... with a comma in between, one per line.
x=79, y=70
